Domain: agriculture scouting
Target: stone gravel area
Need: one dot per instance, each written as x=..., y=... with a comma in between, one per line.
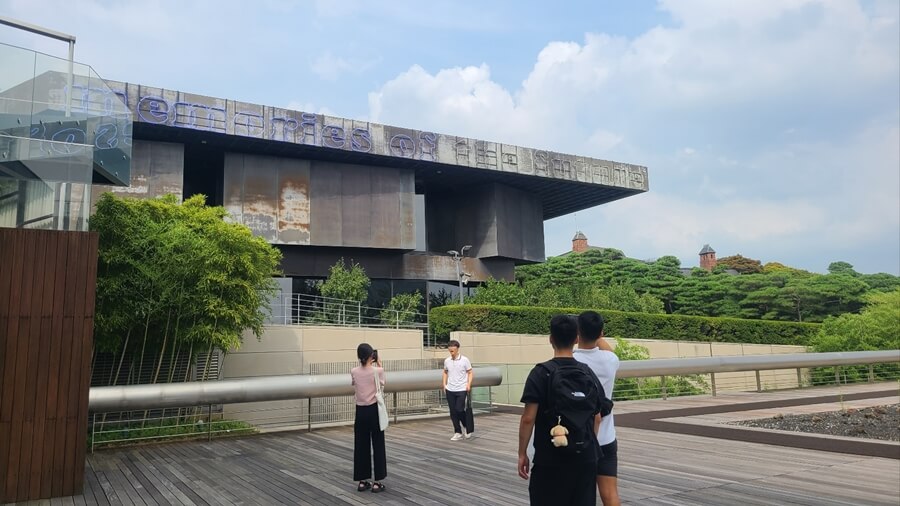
x=877, y=422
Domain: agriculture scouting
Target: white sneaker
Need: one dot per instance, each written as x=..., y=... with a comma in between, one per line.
x=470, y=435
x=456, y=437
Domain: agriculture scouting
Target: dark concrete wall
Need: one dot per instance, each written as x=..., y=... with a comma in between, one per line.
x=498, y=221
x=305, y=261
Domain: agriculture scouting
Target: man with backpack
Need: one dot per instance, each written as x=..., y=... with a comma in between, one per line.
x=562, y=392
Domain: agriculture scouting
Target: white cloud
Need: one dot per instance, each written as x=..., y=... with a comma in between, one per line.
x=296, y=105
x=331, y=67
x=789, y=109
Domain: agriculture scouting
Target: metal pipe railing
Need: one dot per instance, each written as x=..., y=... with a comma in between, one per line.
x=703, y=365
x=269, y=388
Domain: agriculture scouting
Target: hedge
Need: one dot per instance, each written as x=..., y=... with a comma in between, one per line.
x=536, y=320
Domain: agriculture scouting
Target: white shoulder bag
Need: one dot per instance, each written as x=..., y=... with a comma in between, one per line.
x=382, y=407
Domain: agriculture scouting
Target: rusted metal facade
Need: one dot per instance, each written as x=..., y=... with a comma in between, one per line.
x=323, y=188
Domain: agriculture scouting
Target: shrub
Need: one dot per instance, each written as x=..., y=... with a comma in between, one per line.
x=536, y=320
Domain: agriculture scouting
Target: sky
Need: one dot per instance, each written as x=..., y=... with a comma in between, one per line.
x=770, y=128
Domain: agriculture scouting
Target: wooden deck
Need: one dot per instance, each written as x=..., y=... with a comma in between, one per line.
x=425, y=467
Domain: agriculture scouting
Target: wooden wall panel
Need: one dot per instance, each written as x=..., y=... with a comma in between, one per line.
x=47, y=284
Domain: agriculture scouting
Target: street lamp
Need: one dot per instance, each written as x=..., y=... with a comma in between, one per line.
x=461, y=276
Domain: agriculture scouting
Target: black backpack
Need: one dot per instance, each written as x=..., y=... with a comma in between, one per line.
x=573, y=394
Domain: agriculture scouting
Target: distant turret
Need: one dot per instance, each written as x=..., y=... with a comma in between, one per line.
x=707, y=258
x=579, y=242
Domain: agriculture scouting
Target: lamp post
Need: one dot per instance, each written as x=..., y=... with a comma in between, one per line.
x=461, y=276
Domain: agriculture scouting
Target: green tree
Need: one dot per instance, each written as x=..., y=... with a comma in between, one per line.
x=741, y=264
x=627, y=389
x=498, y=293
x=346, y=283
x=842, y=268
x=881, y=281
x=402, y=309
x=876, y=327
x=344, y=291
x=176, y=278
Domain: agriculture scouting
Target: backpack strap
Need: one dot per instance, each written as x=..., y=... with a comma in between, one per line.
x=550, y=367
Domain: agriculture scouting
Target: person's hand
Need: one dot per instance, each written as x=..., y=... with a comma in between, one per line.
x=468, y=388
x=523, y=467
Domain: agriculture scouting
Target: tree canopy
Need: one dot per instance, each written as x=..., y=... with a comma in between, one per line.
x=772, y=291
x=176, y=275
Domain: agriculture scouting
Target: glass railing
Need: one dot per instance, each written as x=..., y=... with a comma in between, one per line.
x=61, y=130
x=60, y=122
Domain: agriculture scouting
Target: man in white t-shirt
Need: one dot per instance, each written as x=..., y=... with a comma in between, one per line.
x=458, y=384
x=594, y=351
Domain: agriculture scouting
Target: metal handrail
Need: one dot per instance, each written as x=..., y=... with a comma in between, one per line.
x=269, y=388
x=680, y=366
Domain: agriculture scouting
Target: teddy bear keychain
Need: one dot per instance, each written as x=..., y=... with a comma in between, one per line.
x=558, y=434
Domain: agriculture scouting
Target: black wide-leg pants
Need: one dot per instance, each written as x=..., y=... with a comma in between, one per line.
x=368, y=437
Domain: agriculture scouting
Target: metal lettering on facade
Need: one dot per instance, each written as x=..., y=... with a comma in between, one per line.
x=162, y=107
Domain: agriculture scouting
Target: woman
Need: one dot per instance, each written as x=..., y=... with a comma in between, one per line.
x=367, y=433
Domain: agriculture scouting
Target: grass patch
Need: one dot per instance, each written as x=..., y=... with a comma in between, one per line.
x=130, y=433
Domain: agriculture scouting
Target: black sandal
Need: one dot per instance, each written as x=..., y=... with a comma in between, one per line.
x=363, y=486
x=378, y=487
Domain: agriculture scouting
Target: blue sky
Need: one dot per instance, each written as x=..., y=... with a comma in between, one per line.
x=769, y=128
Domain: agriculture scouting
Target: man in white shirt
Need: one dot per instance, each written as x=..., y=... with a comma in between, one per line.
x=594, y=351
x=458, y=384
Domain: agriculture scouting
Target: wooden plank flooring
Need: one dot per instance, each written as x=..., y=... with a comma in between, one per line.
x=425, y=467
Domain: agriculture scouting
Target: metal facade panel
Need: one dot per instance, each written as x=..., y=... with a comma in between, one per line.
x=356, y=206
x=407, y=210
x=509, y=222
x=385, y=211
x=532, y=229
x=139, y=186
x=157, y=168
x=325, y=216
x=166, y=169
x=233, y=187
x=260, y=205
x=293, y=201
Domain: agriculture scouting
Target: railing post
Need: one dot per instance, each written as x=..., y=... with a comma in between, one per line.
x=93, y=432
x=359, y=314
x=396, y=407
x=712, y=379
x=209, y=423
x=871, y=373
x=758, y=382
x=799, y=378
x=665, y=393
x=837, y=375
x=309, y=414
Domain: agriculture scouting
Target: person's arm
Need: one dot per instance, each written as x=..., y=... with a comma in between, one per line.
x=526, y=427
x=597, y=419
x=470, y=375
x=603, y=345
x=444, y=382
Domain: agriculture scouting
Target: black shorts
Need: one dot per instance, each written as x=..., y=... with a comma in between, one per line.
x=608, y=464
x=572, y=485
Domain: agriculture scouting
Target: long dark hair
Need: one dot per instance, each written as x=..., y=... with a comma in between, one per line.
x=364, y=352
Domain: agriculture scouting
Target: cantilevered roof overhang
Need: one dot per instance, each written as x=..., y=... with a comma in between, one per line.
x=564, y=183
